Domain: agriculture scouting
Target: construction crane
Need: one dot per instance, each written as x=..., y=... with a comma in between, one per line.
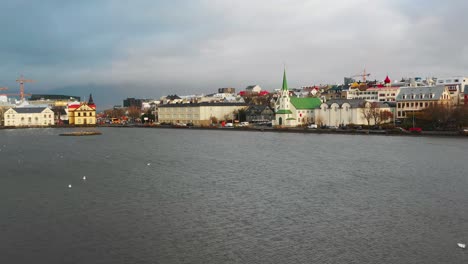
x=363, y=75
x=21, y=81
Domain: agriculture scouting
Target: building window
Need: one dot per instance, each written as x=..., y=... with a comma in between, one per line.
x=79, y=114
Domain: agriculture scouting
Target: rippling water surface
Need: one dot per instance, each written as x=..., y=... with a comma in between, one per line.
x=193, y=196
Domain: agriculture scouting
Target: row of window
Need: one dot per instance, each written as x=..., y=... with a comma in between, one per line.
x=85, y=114
x=305, y=120
x=13, y=116
x=182, y=109
x=418, y=96
x=12, y=122
x=82, y=121
x=416, y=104
x=336, y=108
x=362, y=93
x=194, y=116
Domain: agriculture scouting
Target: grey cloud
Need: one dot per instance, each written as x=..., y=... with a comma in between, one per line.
x=158, y=47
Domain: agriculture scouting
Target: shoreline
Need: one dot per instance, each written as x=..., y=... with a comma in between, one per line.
x=311, y=131
x=269, y=129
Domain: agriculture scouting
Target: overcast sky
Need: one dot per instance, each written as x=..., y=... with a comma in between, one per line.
x=150, y=48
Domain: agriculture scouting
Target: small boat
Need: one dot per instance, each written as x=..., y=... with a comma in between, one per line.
x=461, y=245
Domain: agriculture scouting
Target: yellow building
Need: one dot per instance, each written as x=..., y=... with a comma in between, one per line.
x=82, y=113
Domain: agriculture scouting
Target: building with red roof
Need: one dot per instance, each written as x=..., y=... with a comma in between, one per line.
x=83, y=113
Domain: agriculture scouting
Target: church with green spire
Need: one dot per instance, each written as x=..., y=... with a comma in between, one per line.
x=291, y=111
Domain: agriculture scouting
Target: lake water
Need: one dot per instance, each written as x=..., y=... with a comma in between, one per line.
x=201, y=196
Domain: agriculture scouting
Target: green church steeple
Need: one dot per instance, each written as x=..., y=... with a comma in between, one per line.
x=285, y=82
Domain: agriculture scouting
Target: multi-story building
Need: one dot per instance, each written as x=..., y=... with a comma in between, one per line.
x=82, y=113
x=368, y=95
x=132, y=102
x=456, y=87
x=198, y=113
x=385, y=93
x=413, y=99
x=28, y=116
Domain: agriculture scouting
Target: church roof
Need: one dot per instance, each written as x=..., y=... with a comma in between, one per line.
x=285, y=82
x=306, y=103
x=283, y=111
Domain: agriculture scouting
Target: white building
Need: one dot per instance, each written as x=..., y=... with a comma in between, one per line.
x=345, y=112
x=369, y=95
x=253, y=88
x=385, y=94
x=197, y=113
x=29, y=116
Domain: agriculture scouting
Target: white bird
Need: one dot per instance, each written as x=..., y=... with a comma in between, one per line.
x=84, y=178
x=69, y=186
x=148, y=164
x=461, y=245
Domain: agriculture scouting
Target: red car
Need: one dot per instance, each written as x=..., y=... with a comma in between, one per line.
x=415, y=129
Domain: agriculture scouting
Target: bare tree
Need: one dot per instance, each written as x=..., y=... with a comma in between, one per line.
x=114, y=113
x=385, y=116
x=366, y=112
x=134, y=112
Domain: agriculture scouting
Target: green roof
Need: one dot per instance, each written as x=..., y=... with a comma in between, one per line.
x=282, y=112
x=306, y=103
x=285, y=83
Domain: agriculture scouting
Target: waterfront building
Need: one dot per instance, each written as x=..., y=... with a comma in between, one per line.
x=200, y=114
x=414, y=99
x=344, y=112
x=294, y=111
x=28, y=116
x=259, y=114
x=83, y=113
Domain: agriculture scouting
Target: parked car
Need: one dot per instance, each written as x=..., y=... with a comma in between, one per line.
x=313, y=126
x=229, y=125
x=244, y=124
x=415, y=129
